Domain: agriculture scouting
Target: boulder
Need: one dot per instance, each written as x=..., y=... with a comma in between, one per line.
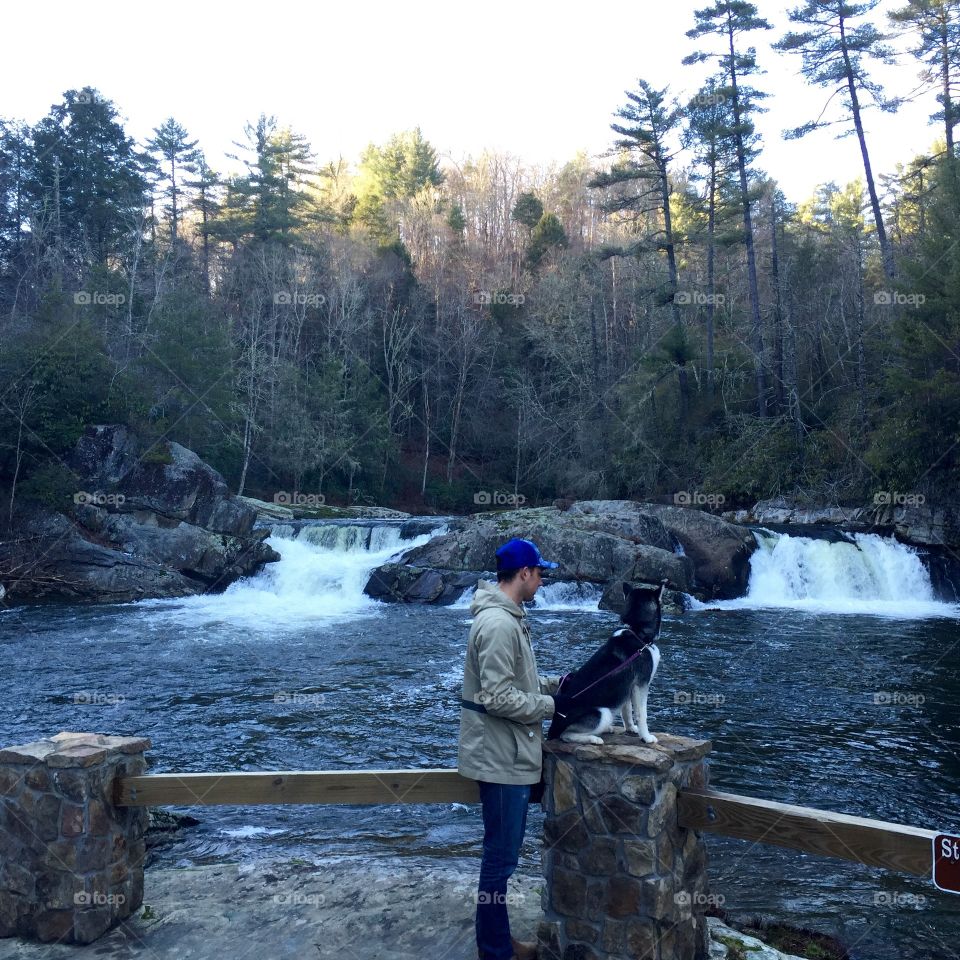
x=408, y=584
x=720, y=551
x=144, y=523
x=582, y=548
x=911, y=518
x=612, y=599
x=268, y=511
x=597, y=541
x=167, y=479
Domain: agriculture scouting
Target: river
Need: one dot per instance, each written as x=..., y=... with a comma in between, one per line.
x=833, y=683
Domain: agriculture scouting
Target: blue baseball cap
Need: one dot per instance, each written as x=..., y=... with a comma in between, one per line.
x=518, y=553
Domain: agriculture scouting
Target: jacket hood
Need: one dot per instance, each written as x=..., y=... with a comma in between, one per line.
x=488, y=595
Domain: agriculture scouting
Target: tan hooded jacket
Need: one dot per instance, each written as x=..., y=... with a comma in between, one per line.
x=503, y=744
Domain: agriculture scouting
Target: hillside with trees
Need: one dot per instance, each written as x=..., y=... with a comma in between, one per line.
x=408, y=329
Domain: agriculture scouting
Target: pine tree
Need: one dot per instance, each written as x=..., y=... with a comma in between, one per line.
x=88, y=178
x=547, y=233
x=646, y=155
x=919, y=437
x=205, y=203
x=709, y=125
x=834, y=52
x=179, y=155
x=268, y=202
x=937, y=25
x=527, y=210
x=389, y=180
x=730, y=20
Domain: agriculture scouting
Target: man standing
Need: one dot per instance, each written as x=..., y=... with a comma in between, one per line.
x=503, y=702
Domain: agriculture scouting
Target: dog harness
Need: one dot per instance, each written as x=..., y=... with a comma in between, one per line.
x=480, y=708
x=617, y=669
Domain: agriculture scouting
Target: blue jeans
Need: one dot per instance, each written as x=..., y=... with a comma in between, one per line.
x=504, y=823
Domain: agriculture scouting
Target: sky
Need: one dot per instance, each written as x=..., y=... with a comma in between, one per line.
x=540, y=80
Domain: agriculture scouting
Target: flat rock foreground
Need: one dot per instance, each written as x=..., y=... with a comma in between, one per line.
x=345, y=909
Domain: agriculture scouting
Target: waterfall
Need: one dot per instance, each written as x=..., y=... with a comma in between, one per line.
x=323, y=569
x=583, y=597
x=865, y=574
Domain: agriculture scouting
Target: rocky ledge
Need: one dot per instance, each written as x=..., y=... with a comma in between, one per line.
x=143, y=523
x=324, y=909
x=911, y=518
x=602, y=542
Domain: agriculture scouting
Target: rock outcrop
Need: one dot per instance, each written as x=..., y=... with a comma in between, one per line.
x=596, y=541
x=156, y=523
x=911, y=518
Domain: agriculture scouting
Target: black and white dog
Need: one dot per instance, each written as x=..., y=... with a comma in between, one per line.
x=617, y=676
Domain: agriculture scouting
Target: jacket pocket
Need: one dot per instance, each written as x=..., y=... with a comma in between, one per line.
x=529, y=755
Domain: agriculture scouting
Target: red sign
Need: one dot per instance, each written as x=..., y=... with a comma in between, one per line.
x=946, y=862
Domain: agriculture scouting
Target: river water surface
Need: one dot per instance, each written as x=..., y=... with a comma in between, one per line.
x=833, y=684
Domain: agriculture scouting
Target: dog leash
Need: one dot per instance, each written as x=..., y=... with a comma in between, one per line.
x=480, y=708
x=616, y=669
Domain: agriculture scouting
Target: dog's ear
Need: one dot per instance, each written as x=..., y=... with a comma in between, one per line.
x=626, y=590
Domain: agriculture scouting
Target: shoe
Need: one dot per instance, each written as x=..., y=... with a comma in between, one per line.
x=521, y=950
x=524, y=950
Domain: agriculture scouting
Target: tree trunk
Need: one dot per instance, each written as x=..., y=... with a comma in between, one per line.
x=757, y=327
x=711, y=278
x=426, y=437
x=945, y=74
x=885, y=250
x=777, y=304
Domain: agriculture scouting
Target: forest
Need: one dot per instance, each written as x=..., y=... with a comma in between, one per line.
x=409, y=329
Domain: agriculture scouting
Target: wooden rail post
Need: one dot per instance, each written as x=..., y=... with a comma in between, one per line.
x=623, y=878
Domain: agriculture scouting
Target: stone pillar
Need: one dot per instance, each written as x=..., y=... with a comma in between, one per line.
x=71, y=862
x=623, y=879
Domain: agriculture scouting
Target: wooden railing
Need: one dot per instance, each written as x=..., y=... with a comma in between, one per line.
x=876, y=843
x=872, y=842
x=312, y=786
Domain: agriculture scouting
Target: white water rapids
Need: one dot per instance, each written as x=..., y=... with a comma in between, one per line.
x=325, y=566
x=870, y=575
x=321, y=575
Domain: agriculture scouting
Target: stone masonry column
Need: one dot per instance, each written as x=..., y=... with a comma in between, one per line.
x=71, y=863
x=623, y=879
